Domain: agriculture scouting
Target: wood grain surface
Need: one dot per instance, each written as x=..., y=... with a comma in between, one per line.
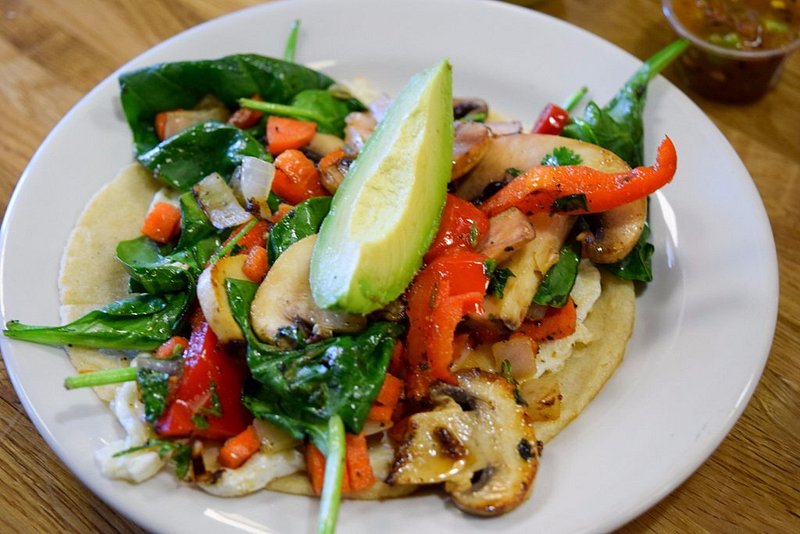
x=53, y=51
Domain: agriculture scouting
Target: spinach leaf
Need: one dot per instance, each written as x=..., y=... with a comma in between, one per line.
x=189, y=156
x=141, y=322
x=156, y=273
x=301, y=389
x=323, y=107
x=561, y=155
x=304, y=220
x=637, y=265
x=153, y=272
x=195, y=226
x=618, y=126
x=168, y=86
x=554, y=289
x=498, y=278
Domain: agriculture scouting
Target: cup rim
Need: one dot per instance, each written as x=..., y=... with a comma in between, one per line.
x=680, y=29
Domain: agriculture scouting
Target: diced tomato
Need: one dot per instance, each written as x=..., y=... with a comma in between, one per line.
x=207, y=400
x=296, y=178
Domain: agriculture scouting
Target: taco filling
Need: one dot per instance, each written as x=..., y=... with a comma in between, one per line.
x=194, y=297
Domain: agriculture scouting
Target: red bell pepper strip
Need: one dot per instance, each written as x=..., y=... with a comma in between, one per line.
x=207, y=400
x=450, y=286
x=545, y=188
x=462, y=225
x=557, y=323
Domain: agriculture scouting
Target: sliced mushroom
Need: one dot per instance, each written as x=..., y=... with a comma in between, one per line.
x=477, y=440
x=507, y=232
x=471, y=142
x=615, y=232
x=283, y=302
x=523, y=151
x=213, y=297
x=469, y=106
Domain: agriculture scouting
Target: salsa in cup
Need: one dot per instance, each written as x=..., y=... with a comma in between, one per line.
x=739, y=46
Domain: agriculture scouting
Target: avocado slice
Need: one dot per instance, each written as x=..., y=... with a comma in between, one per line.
x=387, y=210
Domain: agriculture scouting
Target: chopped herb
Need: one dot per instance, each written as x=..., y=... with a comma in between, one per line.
x=475, y=116
x=215, y=407
x=511, y=171
x=180, y=452
x=505, y=371
x=154, y=386
x=200, y=421
x=570, y=203
x=498, y=278
x=473, y=235
x=561, y=156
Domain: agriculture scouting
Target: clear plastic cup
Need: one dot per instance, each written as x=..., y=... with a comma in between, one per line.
x=727, y=74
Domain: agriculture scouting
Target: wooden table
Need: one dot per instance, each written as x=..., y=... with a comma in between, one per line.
x=53, y=51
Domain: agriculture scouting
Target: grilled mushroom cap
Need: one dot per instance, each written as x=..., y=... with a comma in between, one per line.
x=477, y=440
x=616, y=233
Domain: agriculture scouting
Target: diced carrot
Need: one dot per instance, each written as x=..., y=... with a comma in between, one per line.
x=359, y=468
x=238, y=449
x=285, y=134
x=255, y=237
x=557, y=323
x=299, y=178
x=390, y=391
x=331, y=158
x=315, y=466
x=397, y=363
x=173, y=346
x=256, y=265
x=283, y=208
x=398, y=431
x=246, y=117
x=161, y=125
x=163, y=223
x=380, y=414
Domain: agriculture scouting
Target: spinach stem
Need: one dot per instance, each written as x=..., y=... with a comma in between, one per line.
x=664, y=57
x=334, y=472
x=291, y=42
x=232, y=242
x=570, y=104
x=280, y=109
x=100, y=378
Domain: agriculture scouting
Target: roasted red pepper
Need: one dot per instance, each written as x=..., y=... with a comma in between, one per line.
x=552, y=120
x=577, y=189
x=451, y=286
x=207, y=400
x=462, y=225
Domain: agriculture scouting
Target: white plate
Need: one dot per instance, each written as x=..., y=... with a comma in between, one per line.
x=703, y=331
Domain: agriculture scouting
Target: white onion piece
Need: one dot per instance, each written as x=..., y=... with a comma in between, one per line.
x=256, y=181
x=520, y=351
x=219, y=203
x=499, y=128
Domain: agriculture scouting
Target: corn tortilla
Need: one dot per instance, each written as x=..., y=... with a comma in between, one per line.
x=92, y=277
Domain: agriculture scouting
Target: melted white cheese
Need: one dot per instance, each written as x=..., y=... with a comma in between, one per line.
x=135, y=466
x=255, y=473
x=553, y=354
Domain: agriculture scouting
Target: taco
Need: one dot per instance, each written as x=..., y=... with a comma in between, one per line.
x=511, y=327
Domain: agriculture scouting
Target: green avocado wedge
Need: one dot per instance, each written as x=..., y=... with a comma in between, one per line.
x=387, y=210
